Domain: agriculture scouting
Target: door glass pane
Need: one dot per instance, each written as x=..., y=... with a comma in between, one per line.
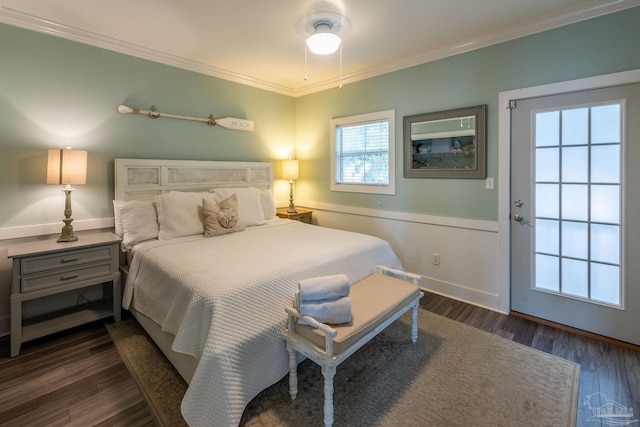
x=548, y=236
x=547, y=273
x=605, y=283
x=547, y=196
x=547, y=129
x=575, y=239
x=605, y=124
x=547, y=162
x=575, y=202
x=605, y=203
x=575, y=164
x=575, y=126
x=605, y=243
x=605, y=164
x=575, y=279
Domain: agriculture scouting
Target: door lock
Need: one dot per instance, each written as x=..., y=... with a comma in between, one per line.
x=518, y=203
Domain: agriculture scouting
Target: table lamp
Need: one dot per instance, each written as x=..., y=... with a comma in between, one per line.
x=290, y=172
x=67, y=167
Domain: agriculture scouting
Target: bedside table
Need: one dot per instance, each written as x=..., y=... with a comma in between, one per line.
x=45, y=268
x=303, y=215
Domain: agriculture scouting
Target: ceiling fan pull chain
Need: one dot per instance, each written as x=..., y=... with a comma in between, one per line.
x=340, y=66
x=305, y=62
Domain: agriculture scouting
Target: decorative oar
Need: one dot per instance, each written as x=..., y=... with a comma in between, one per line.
x=225, y=122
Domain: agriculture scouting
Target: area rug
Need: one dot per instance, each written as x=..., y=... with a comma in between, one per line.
x=455, y=375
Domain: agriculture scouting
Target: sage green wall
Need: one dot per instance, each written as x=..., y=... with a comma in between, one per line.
x=599, y=46
x=54, y=92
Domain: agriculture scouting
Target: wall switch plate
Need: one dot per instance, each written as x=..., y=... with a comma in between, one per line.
x=435, y=259
x=488, y=184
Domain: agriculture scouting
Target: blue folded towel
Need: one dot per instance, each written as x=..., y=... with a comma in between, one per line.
x=324, y=288
x=334, y=311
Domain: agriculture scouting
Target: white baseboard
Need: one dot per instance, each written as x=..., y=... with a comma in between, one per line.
x=462, y=293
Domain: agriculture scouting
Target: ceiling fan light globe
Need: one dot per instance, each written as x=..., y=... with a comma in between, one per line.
x=323, y=43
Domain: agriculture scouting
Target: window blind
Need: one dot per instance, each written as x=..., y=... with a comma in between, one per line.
x=362, y=153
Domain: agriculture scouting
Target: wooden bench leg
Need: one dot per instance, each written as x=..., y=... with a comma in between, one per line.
x=328, y=372
x=293, y=372
x=414, y=322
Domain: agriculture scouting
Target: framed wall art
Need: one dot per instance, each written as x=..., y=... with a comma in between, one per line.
x=445, y=144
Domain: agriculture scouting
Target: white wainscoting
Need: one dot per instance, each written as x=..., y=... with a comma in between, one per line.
x=468, y=249
x=39, y=230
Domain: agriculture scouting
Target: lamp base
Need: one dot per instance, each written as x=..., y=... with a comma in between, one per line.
x=67, y=232
x=292, y=207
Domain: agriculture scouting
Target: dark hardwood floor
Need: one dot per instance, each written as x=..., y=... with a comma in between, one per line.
x=73, y=378
x=77, y=377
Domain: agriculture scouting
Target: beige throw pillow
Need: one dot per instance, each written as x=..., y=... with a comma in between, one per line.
x=221, y=217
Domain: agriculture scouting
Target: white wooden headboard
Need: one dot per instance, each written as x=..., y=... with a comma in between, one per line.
x=142, y=179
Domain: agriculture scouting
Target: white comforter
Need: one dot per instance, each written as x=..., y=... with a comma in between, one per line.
x=224, y=299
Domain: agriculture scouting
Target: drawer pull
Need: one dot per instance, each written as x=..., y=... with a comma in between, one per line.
x=69, y=277
x=65, y=260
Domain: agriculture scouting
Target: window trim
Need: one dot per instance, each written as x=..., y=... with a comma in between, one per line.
x=390, y=117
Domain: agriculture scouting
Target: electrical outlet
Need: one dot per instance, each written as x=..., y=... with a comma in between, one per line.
x=435, y=259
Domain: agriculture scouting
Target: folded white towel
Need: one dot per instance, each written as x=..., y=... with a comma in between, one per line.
x=324, y=288
x=334, y=311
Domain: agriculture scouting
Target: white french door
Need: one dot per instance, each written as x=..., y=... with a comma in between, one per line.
x=575, y=204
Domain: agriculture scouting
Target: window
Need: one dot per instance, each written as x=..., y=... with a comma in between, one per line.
x=362, y=153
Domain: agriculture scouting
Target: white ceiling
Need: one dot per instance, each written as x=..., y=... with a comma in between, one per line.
x=256, y=41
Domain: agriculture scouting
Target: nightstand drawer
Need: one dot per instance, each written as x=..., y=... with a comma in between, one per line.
x=71, y=258
x=65, y=276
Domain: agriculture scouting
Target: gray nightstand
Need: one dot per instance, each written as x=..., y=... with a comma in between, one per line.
x=45, y=268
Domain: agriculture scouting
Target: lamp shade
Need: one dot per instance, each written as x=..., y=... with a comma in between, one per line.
x=67, y=167
x=289, y=169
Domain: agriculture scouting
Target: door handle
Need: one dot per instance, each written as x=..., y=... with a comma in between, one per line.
x=518, y=218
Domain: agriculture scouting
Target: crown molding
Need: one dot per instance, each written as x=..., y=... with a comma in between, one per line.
x=569, y=16
x=29, y=22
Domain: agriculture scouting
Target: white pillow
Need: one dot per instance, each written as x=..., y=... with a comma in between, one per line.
x=117, y=217
x=180, y=213
x=139, y=222
x=249, y=204
x=268, y=205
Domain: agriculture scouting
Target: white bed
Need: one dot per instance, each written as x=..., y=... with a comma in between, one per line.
x=215, y=305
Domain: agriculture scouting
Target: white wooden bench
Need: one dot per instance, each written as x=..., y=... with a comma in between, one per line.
x=377, y=301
